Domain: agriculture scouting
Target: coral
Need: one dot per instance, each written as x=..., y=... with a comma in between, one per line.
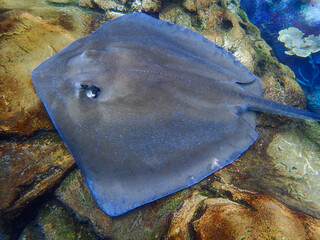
x=301, y=47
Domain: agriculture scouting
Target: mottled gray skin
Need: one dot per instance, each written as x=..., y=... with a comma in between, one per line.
x=173, y=108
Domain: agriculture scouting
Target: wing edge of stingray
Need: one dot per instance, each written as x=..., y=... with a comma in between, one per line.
x=112, y=213
x=148, y=20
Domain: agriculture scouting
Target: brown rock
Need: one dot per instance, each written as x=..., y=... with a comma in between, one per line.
x=61, y=1
x=190, y=5
x=54, y=222
x=111, y=5
x=7, y=4
x=151, y=5
x=175, y=14
x=80, y=3
x=296, y=157
x=147, y=222
x=27, y=38
x=29, y=168
x=179, y=226
x=245, y=216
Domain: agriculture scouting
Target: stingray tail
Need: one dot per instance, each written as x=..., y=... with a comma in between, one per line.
x=265, y=105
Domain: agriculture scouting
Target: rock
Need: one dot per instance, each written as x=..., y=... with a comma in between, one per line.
x=78, y=3
x=244, y=215
x=311, y=129
x=62, y=1
x=281, y=164
x=56, y=223
x=28, y=37
x=7, y=4
x=174, y=13
x=30, y=168
x=84, y=4
x=137, y=5
x=111, y=5
x=32, y=231
x=190, y=5
x=296, y=163
x=151, y=5
x=101, y=5
x=179, y=226
x=145, y=222
x=119, y=6
x=113, y=14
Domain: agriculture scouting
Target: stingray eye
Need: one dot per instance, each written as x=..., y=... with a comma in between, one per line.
x=91, y=90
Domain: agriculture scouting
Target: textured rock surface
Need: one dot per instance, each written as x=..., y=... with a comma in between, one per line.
x=9, y=4
x=151, y=5
x=284, y=163
x=27, y=38
x=296, y=157
x=110, y=6
x=32, y=166
x=57, y=223
x=29, y=168
x=145, y=222
x=238, y=214
x=176, y=14
x=180, y=222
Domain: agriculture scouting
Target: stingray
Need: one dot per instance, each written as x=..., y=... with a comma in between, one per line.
x=148, y=108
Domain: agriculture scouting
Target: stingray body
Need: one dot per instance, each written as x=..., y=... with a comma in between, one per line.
x=148, y=108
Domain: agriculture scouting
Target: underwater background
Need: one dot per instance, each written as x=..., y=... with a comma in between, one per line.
x=292, y=25
x=270, y=192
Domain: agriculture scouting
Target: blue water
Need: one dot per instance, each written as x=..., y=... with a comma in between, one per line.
x=271, y=16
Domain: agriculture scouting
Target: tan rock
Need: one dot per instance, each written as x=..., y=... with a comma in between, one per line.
x=111, y=5
x=297, y=158
x=151, y=5
x=61, y=1
x=145, y=222
x=246, y=216
x=57, y=223
x=182, y=217
x=175, y=14
x=27, y=38
x=113, y=14
x=75, y=194
x=9, y=4
x=21, y=109
x=190, y=5
x=136, y=5
x=30, y=168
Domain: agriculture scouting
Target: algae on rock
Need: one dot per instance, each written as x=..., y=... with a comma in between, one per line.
x=141, y=223
x=54, y=222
